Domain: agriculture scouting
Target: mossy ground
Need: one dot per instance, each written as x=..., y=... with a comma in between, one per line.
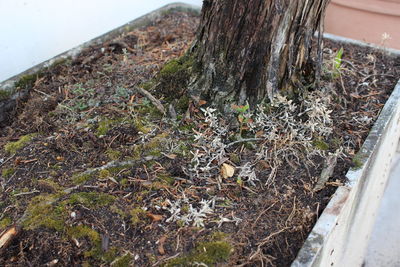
x=71, y=208
x=13, y=147
x=216, y=250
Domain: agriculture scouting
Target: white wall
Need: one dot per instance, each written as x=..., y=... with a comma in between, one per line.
x=32, y=31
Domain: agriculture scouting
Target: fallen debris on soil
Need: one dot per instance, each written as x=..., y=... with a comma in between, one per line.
x=97, y=172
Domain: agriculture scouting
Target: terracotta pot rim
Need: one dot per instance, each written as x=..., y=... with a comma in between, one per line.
x=373, y=6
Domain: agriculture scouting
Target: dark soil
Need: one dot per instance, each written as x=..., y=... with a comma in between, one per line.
x=86, y=113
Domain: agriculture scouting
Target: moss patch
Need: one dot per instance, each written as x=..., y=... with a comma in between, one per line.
x=320, y=144
x=105, y=126
x=80, y=178
x=8, y=172
x=42, y=212
x=5, y=222
x=174, y=76
x=210, y=253
x=51, y=185
x=5, y=94
x=137, y=215
x=91, y=199
x=113, y=154
x=13, y=147
x=83, y=231
x=140, y=126
x=357, y=161
x=122, y=261
x=27, y=81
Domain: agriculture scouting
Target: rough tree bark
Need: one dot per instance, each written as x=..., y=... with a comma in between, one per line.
x=249, y=49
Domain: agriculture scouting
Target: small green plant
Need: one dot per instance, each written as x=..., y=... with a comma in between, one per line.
x=242, y=119
x=337, y=63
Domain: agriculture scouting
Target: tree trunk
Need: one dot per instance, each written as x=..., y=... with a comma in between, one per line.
x=249, y=49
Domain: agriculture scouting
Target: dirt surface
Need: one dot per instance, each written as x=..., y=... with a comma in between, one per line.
x=94, y=174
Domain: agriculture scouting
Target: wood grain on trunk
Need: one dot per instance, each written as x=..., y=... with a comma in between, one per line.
x=249, y=49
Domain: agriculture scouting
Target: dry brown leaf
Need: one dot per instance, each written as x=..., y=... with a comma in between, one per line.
x=170, y=156
x=161, y=242
x=227, y=170
x=202, y=102
x=154, y=217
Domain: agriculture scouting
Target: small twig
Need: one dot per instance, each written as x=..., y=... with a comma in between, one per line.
x=43, y=93
x=152, y=99
x=26, y=193
x=166, y=259
x=6, y=160
x=7, y=236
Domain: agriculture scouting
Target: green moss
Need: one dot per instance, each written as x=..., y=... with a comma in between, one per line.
x=155, y=145
x=124, y=182
x=105, y=126
x=113, y=154
x=166, y=178
x=137, y=215
x=42, y=212
x=5, y=222
x=116, y=170
x=118, y=211
x=83, y=231
x=212, y=252
x=104, y=174
x=110, y=255
x=174, y=76
x=209, y=253
x=234, y=158
x=140, y=126
x=81, y=178
x=5, y=94
x=183, y=104
x=183, y=149
x=137, y=152
x=27, y=81
x=8, y=172
x=170, y=68
x=13, y=147
x=91, y=199
x=148, y=86
x=53, y=186
x=123, y=261
x=187, y=127
x=320, y=144
x=358, y=163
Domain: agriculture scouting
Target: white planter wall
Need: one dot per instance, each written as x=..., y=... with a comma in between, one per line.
x=32, y=31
